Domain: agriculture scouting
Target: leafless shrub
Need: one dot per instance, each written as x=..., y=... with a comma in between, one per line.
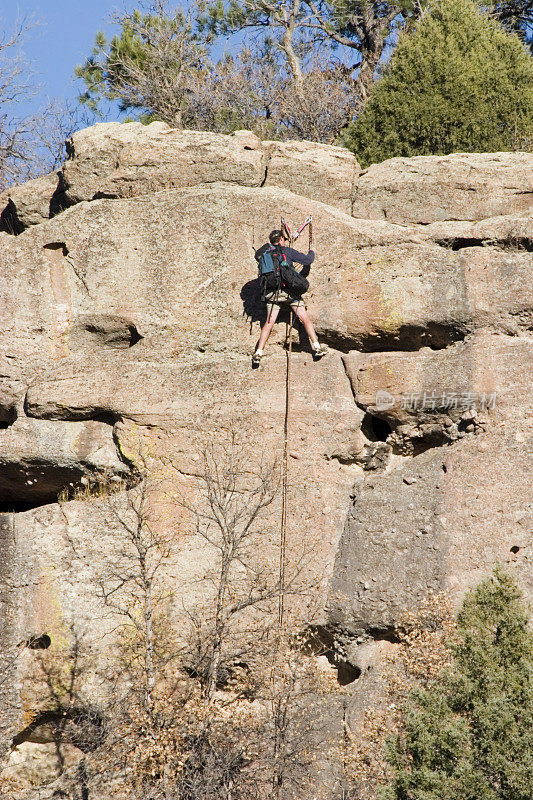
x=201, y=692
x=325, y=104
x=422, y=652
x=240, y=92
x=250, y=92
x=30, y=144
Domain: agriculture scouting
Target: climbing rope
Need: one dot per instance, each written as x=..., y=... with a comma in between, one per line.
x=277, y=670
x=285, y=463
x=285, y=473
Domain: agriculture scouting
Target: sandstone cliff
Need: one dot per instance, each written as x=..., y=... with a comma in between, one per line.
x=130, y=310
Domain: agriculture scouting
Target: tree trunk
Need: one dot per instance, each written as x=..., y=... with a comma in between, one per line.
x=372, y=45
x=288, y=47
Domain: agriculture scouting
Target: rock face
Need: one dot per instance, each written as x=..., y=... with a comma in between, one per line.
x=129, y=310
x=461, y=186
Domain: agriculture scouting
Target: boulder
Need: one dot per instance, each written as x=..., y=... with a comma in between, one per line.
x=434, y=525
x=116, y=159
x=122, y=160
x=321, y=171
x=27, y=204
x=479, y=373
x=460, y=186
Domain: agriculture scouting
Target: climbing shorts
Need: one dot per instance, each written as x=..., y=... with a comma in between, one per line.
x=279, y=298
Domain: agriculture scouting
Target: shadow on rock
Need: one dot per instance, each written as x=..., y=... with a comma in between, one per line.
x=255, y=310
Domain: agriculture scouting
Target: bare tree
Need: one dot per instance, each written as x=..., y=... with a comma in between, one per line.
x=230, y=522
x=15, y=132
x=30, y=144
x=249, y=667
x=206, y=696
x=144, y=691
x=323, y=108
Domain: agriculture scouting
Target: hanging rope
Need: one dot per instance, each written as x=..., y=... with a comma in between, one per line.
x=285, y=465
x=277, y=672
x=285, y=472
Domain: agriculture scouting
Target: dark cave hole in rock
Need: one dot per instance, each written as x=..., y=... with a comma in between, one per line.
x=41, y=642
x=346, y=673
x=511, y=243
x=460, y=244
x=9, y=221
x=17, y=507
x=122, y=337
x=375, y=428
x=107, y=417
x=321, y=641
x=57, y=246
x=384, y=635
x=515, y=549
x=7, y=418
x=519, y=243
x=135, y=336
x=32, y=484
x=59, y=201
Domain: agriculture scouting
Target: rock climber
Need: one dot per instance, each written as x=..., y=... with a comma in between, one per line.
x=278, y=297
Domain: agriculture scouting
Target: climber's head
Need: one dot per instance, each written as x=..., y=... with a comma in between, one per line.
x=276, y=237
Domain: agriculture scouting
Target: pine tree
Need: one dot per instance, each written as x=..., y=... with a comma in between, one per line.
x=470, y=735
x=458, y=83
x=149, y=67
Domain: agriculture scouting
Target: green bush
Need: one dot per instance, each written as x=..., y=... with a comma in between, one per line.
x=470, y=735
x=458, y=83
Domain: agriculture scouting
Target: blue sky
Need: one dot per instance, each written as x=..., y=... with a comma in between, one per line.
x=62, y=39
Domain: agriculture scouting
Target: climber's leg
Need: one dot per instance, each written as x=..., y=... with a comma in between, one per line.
x=318, y=349
x=272, y=315
x=305, y=319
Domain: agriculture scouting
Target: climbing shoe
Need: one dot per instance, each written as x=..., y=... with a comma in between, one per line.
x=256, y=360
x=319, y=351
